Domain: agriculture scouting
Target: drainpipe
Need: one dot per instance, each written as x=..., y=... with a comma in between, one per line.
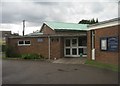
x=49, y=47
x=93, y=45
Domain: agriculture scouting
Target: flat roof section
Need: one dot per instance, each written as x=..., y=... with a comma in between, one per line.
x=50, y=35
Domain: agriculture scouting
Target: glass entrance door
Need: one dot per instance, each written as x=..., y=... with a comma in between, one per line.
x=71, y=45
x=74, y=47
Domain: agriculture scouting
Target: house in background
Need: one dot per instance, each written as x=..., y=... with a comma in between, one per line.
x=55, y=40
x=4, y=34
x=103, y=41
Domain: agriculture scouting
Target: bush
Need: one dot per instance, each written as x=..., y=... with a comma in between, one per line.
x=31, y=56
x=3, y=48
x=10, y=52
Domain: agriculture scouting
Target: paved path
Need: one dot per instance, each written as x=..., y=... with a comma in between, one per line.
x=40, y=72
x=70, y=60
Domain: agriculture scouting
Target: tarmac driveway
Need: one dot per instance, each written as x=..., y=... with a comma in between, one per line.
x=41, y=72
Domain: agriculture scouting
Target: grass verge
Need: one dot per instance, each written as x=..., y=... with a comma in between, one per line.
x=103, y=65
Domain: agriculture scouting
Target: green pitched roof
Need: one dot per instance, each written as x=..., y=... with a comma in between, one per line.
x=66, y=26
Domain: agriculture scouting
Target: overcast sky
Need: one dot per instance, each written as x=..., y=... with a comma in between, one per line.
x=36, y=12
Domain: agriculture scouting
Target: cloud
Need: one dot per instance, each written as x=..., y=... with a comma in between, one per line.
x=35, y=12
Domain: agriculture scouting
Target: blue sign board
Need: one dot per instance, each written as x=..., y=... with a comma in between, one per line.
x=113, y=44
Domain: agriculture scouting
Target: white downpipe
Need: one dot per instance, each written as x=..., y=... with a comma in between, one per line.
x=93, y=45
x=93, y=54
x=49, y=47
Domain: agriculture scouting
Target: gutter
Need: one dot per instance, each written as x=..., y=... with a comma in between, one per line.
x=104, y=22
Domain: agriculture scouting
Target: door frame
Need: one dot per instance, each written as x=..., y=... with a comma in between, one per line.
x=71, y=47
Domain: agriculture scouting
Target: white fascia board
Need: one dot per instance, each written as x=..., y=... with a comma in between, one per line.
x=104, y=25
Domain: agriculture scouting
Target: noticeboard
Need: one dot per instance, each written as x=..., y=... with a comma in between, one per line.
x=112, y=43
x=40, y=40
x=109, y=43
x=103, y=43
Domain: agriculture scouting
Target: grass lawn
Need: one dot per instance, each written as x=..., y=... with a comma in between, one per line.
x=102, y=65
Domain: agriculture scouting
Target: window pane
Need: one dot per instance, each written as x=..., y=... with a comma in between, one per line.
x=21, y=42
x=82, y=41
x=67, y=42
x=67, y=51
x=80, y=50
x=74, y=42
x=27, y=42
x=74, y=51
x=85, y=51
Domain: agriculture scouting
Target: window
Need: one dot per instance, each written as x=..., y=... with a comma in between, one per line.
x=74, y=51
x=67, y=51
x=23, y=42
x=74, y=42
x=20, y=42
x=67, y=42
x=85, y=51
x=80, y=50
x=82, y=41
x=27, y=42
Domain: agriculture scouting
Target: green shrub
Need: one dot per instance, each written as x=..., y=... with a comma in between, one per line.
x=3, y=48
x=10, y=52
x=42, y=57
x=31, y=56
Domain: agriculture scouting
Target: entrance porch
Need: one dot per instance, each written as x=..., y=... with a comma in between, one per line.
x=75, y=46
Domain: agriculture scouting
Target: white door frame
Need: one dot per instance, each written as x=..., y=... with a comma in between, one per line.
x=72, y=47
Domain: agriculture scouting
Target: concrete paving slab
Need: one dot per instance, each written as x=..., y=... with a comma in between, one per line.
x=70, y=60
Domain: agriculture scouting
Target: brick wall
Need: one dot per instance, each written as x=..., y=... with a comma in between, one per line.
x=35, y=47
x=89, y=45
x=103, y=56
x=56, y=47
x=47, y=30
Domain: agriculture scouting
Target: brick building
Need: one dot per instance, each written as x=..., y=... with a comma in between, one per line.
x=103, y=41
x=99, y=42
x=56, y=41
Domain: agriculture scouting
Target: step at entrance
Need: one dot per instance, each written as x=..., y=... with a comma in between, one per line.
x=71, y=60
